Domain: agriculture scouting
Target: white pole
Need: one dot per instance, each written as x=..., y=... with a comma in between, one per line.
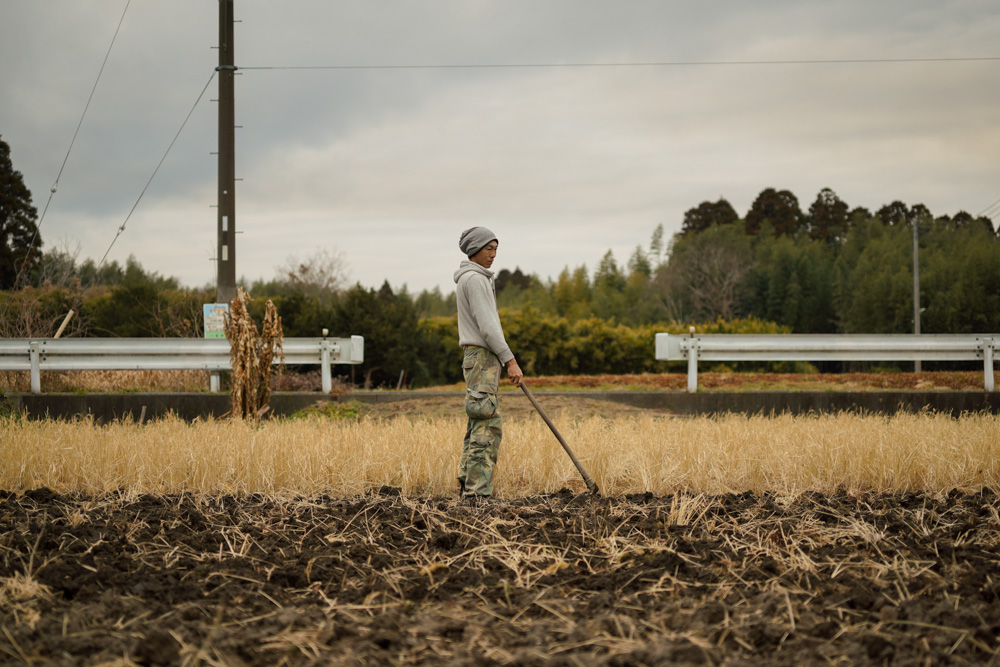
x=36, y=374
x=988, y=363
x=324, y=347
x=692, y=367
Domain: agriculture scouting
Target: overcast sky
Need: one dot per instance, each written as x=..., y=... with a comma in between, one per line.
x=388, y=166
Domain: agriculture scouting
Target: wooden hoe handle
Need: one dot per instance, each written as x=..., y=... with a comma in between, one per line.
x=591, y=486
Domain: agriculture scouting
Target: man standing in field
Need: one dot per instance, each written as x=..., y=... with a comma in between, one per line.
x=480, y=334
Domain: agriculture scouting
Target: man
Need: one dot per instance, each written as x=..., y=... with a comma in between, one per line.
x=480, y=334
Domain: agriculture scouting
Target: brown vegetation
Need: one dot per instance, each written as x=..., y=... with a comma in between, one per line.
x=168, y=381
x=106, y=382
x=746, y=381
x=252, y=354
x=739, y=578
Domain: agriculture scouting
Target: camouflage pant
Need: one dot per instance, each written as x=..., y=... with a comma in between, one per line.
x=483, y=430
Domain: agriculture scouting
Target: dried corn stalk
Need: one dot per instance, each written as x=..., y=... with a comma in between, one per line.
x=271, y=342
x=251, y=356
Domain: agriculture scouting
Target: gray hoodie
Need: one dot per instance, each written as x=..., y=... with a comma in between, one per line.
x=478, y=321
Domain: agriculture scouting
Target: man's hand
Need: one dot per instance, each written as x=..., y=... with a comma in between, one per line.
x=514, y=372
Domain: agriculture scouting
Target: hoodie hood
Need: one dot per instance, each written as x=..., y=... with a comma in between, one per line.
x=471, y=267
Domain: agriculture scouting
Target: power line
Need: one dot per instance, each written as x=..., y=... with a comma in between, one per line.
x=992, y=209
x=666, y=63
x=136, y=204
x=55, y=185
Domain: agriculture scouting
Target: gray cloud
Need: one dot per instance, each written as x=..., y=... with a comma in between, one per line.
x=388, y=166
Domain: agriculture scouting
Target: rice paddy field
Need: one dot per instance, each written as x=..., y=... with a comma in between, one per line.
x=729, y=540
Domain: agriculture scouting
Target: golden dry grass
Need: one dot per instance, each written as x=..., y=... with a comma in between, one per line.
x=783, y=454
x=106, y=382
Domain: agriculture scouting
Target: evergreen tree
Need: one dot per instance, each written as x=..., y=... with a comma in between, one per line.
x=572, y=294
x=898, y=213
x=638, y=264
x=828, y=217
x=959, y=278
x=433, y=304
x=706, y=214
x=393, y=340
x=880, y=292
x=656, y=247
x=779, y=209
x=641, y=306
x=533, y=294
x=792, y=284
x=505, y=278
x=90, y=274
x=20, y=243
x=964, y=219
x=608, y=300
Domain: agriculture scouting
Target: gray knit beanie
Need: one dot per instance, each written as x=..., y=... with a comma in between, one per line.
x=475, y=239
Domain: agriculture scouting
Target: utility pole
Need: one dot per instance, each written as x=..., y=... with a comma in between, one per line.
x=225, y=287
x=916, y=289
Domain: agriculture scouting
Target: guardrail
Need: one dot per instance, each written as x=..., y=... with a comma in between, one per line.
x=82, y=354
x=827, y=347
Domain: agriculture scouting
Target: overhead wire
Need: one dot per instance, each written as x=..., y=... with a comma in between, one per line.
x=153, y=175
x=121, y=228
x=991, y=210
x=55, y=184
x=664, y=63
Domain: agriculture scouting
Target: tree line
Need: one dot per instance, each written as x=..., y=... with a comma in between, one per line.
x=830, y=268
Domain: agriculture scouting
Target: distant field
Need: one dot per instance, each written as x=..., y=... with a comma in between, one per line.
x=145, y=381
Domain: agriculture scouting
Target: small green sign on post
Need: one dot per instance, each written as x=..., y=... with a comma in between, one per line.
x=215, y=319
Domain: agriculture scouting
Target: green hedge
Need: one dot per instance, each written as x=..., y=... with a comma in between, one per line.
x=551, y=345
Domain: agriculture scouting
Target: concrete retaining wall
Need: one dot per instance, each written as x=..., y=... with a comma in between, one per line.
x=189, y=406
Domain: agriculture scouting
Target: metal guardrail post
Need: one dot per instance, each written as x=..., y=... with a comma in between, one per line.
x=324, y=353
x=988, y=363
x=215, y=382
x=36, y=373
x=692, y=349
x=357, y=349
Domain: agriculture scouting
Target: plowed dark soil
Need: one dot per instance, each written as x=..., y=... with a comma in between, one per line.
x=740, y=579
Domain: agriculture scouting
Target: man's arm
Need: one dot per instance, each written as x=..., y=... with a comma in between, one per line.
x=484, y=311
x=514, y=372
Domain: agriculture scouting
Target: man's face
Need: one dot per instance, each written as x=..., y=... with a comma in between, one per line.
x=485, y=257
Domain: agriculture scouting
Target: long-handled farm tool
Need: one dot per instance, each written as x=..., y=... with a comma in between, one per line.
x=591, y=486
